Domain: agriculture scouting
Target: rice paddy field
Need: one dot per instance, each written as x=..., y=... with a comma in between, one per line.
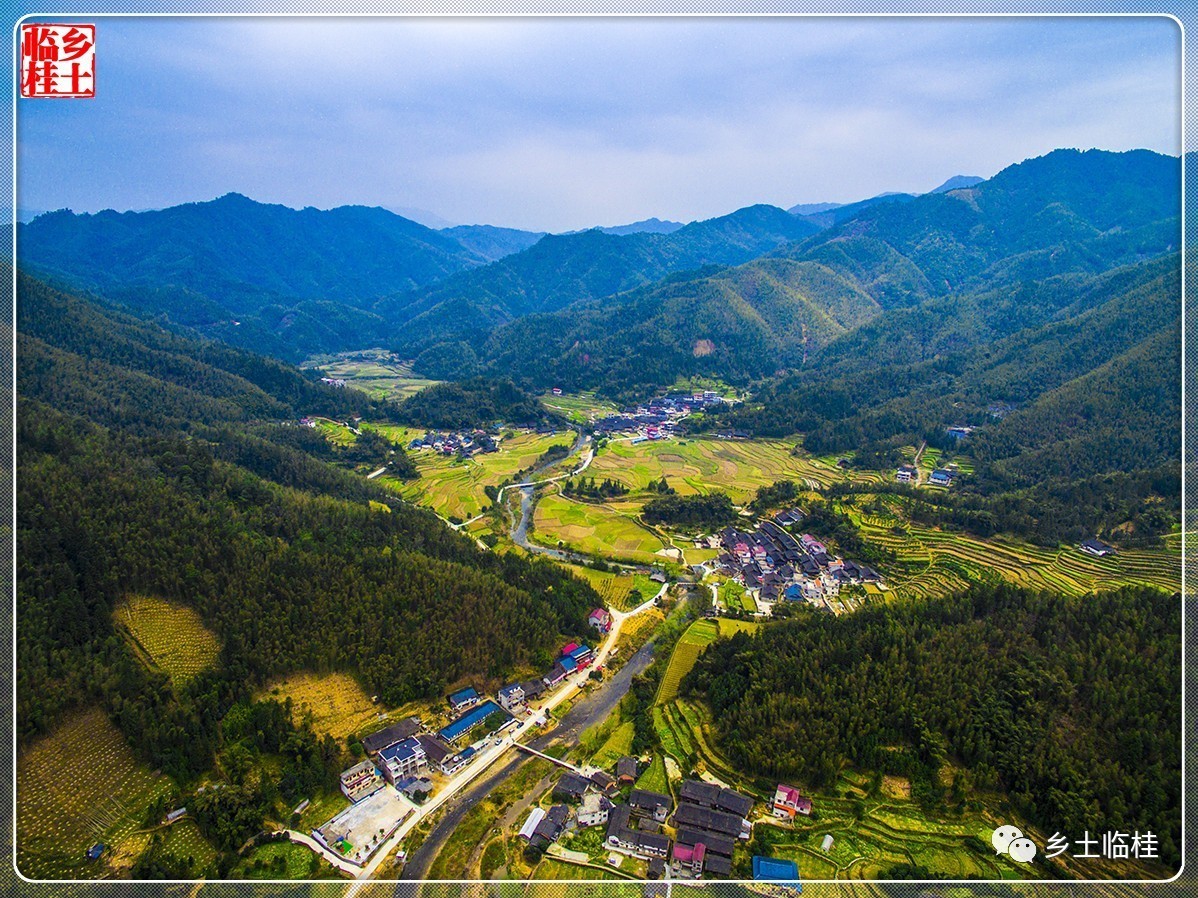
x=454, y=487
x=654, y=777
x=77, y=786
x=609, y=530
x=697, y=637
x=337, y=702
x=701, y=465
x=614, y=589
x=168, y=636
x=940, y=561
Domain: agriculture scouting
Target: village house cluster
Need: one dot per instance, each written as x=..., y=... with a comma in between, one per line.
x=659, y=418
x=773, y=565
x=463, y=443
x=696, y=838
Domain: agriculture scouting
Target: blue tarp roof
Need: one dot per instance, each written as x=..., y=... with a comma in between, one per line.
x=569, y=664
x=774, y=868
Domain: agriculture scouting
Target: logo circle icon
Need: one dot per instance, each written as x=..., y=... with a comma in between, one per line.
x=1004, y=836
x=1022, y=850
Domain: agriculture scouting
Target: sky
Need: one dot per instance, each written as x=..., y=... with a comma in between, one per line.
x=559, y=124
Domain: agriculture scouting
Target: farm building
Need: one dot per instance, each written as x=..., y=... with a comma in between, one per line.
x=788, y=801
x=463, y=698
x=940, y=477
x=627, y=838
x=530, y=825
x=709, y=795
x=376, y=742
x=826, y=845
x=360, y=780
x=626, y=770
x=551, y=826
x=709, y=820
x=650, y=804
x=571, y=787
x=1097, y=548
x=907, y=474
x=532, y=689
x=604, y=782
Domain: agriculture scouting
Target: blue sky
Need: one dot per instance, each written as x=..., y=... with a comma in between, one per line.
x=555, y=124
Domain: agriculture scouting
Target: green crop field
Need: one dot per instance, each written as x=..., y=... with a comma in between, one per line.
x=654, y=777
x=608, y=530
x=375, y=372
x=168, y=636
x=184, y=840
x=456, y=488
x=698, y=636
x=618, y=744
x=579, y=407
x=63, y=808
x=283, y=860
x=702, y=465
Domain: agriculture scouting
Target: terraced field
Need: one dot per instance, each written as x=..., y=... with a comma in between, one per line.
x=698, y=636
x=654, y=777
x=608, y=531
x=943, y=561
x=701, y=465
x=168, y=636
x=63, y=807
x=456, y=488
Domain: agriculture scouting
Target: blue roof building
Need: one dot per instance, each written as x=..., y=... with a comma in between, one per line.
x=569, y=664
x=471, y=719
x=776, y=869
x=463, y=697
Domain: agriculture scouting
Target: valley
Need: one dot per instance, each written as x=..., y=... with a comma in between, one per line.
x=838, y=539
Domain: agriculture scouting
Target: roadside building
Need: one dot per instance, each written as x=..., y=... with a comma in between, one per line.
x=511, y=697
x=530, y=825
x=550, y=828
x=600, y=619
x=360, y=781
x=402, y=759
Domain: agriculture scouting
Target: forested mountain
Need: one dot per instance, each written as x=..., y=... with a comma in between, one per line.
x=566, y=269
x=951, y=270
x=740, y=324
x=150, y=464
x=478, y=402
x=492, y=243
x=1065, y=212
x=287, y=281
x=1071, y=706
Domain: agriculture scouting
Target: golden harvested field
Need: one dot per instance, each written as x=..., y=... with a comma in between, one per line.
x=77, y=786
x=338, y=704
x=168, y=636
x=738, y=467
x=455, y=488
